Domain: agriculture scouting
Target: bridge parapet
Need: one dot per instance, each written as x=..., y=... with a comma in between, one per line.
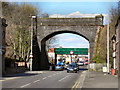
x=95, y=21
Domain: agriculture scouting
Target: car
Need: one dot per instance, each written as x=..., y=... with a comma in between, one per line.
x=86, y=62
x=65, y=66
x=80, y=63
x=72, y=67
x=59, y=66
x=61, y=63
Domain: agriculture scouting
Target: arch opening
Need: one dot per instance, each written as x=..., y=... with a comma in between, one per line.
x=44, y=54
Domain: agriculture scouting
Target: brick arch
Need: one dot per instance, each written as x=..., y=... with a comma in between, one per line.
x=60, y=32
x=49, y=27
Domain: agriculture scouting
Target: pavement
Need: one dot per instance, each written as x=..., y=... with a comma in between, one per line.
x=100, y=80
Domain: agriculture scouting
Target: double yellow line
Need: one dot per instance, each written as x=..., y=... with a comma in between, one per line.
x=76, y=84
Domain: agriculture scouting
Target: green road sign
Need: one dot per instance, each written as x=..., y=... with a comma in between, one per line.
x=79, y=51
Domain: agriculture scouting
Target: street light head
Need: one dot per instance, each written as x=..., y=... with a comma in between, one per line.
x=33, y=16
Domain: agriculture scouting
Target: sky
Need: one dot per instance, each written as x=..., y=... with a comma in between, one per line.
x=70, y=7
x=68, y=40
x=77, y=8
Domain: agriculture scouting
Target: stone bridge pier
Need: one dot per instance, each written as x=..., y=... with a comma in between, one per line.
x=49, y=27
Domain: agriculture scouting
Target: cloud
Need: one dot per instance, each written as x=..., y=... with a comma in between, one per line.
x=83, y=45
x=70, y=39
x=74, y=14
x=76, y=46
x=77, y=14
x=69, y=47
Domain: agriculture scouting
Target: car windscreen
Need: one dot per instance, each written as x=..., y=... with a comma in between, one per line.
x=80, y=62
x=72, y=65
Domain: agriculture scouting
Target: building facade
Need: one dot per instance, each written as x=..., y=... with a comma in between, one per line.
x=116, y=47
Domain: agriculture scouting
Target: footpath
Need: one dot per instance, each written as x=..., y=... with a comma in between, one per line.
x=100, y=81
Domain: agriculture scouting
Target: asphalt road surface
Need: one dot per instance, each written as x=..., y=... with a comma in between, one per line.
x=42, y=79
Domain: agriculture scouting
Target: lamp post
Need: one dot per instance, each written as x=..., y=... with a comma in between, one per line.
x=31, y=53
x=108, y=67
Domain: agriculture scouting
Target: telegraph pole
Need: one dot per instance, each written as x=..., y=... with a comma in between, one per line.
x=108, y=41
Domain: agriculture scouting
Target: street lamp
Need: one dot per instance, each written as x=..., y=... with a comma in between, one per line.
x=31, y=53
x=108, y=42
x=71, y=53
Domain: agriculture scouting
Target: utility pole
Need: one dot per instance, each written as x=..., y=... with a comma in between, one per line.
x=31, y=53
x=108, y=41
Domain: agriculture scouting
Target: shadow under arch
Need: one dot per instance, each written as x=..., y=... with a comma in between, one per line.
x=44, y=63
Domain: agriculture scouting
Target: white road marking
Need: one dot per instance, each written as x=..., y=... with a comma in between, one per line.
x=44, y=78
x=50, y=76
x=63, y=78
x=25, y=85
x=36, y=81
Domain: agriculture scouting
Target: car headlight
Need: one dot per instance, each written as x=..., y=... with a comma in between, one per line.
x=67, y=68
x=75, y=68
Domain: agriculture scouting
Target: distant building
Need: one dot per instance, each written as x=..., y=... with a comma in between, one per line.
x=51, y=56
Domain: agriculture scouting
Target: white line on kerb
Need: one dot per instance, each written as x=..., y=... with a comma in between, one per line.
x=63, y=78
x=36, y=81
x=25, y=85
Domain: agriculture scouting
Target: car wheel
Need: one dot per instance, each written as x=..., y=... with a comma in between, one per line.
x=67, y=71
x=75, y=71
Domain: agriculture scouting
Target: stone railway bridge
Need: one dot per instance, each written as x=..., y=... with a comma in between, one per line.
x=49, y=27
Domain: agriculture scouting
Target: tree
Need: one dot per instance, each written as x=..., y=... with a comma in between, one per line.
x=45, y=15
x=52, y=43
x=114, y=14
x=18, y=35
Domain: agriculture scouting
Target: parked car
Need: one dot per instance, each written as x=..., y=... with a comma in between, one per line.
x=86, y=62
x=72, y=67
x=65, y=66
x=59, y=66
x=80, y=63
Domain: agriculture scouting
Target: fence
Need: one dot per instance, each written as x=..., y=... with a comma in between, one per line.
x=97, y=66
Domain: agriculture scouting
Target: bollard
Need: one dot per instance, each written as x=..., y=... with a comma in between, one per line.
x=113, y=71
